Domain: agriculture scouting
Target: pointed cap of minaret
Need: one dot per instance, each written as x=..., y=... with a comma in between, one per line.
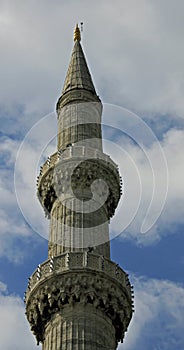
x=78, y=77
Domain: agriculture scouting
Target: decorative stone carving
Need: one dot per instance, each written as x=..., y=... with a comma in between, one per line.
x=54, y=293
x=76, y=178
x=75, y=260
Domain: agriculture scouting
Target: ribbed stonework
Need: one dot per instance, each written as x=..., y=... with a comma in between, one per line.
x=78, y=298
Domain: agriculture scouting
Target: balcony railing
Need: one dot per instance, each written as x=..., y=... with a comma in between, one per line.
x=75, y=261
x=74, y=152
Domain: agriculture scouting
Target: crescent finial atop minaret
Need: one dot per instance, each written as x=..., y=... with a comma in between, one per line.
x=77, y=34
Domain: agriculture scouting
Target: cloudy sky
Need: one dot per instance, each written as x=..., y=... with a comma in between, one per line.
x=135, y=53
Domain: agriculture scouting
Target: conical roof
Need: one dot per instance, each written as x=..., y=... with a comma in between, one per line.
x=78, y=86
x=78, y=75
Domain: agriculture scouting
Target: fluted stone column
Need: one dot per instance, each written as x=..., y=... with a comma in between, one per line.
x=79, y=328
x=75, y=231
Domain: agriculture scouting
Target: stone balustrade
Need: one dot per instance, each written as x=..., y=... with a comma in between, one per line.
x=74, y=152
x=76, y=261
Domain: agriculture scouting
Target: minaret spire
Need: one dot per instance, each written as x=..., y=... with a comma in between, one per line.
x=78, y=82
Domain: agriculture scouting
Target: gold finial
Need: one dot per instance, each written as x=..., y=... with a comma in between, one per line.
x=77, y=35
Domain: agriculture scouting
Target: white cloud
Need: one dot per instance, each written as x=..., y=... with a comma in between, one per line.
x=14, y=328
x=172, y=214
x=3, y=287
x=139, y=62
x=12, y=225
x=158, y=318
x=20, y=167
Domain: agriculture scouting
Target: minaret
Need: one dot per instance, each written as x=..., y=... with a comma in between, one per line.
x=79, y=299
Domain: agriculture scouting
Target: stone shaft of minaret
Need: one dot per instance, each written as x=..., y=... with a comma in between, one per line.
x=79, y=217
x=75, y=331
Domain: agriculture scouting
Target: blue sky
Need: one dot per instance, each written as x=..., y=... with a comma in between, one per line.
x=135, y=54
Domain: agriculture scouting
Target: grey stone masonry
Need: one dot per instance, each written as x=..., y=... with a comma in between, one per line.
x=78, y=75
x=71, y=283
x=79, y=299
